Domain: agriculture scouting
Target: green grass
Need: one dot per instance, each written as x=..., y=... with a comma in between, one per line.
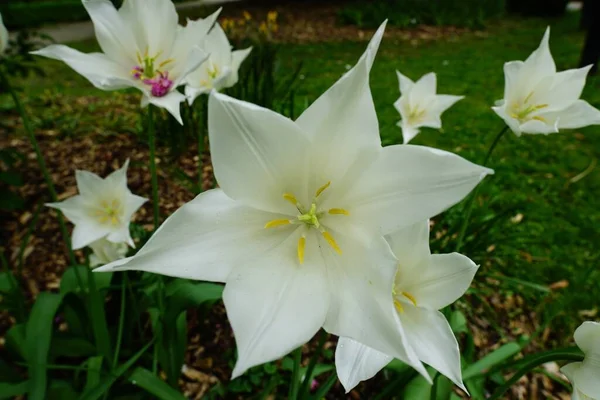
x=559, y=234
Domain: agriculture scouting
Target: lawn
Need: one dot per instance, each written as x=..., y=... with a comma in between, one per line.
x=535, y=224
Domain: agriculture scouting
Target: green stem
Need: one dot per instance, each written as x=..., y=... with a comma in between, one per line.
x=471, y=201
x=121, y=322
x=305, y=387
x=325, y=387
x=40, y=160
x=534, y=364
x=98, y=315
x=153, y=174
x=293, y=393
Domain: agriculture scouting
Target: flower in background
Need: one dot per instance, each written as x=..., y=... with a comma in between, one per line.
x=143, y=47
x=220, y=70
x=102, y=209
x=585, y=375
x=424, y=283
x=420, y=106
x=537, y=99
x=296, y=228
x=105, y=251
x=3, y=36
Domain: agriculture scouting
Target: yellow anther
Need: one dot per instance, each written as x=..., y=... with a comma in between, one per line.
x=277, y=222
x=398, y=306
x=332, y=242
x=338, y=211
x=291, y=198
x=538, y=118
x=167, y=61
x=322, y=189
x=301, y=246
x=540, y=106
x=410, y=297
x=114, y=220
x=528, y=97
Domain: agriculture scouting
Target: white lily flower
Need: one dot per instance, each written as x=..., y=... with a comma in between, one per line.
x=420, y=106
x=3, y=36
x=424, y=284
x=296, y=230
x=220, y=70
x=105, y=252
x=537, y=99
x=102, y=209
x=585, y=375
x=143, y=47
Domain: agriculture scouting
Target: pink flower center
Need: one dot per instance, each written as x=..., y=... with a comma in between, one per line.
x=159, y=81
x=160, y=84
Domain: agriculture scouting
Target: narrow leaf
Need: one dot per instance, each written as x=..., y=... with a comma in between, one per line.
x=495, y=357
x=152, y=384
x=12, y=390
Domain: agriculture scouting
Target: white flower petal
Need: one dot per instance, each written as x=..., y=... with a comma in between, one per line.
x=193, y=34
x=411, y=246
x=512, y=79
x=114, y=34
x=86, y=232
x=274, y=304
x=570, y=369
x=445, y=101
x=121, y=235
x=344, y=123
x=204, y=240
x=408, y=184
x=191, y=92
x=169, y=102
x=237, y=58
x=535, y=126
x=408, y=132
x=586, y=379
x=3, y=36
x=587, y=337
x=355, y=362
x=561, y=89
x=118, y=178
x=578, y=115
x=74, y=208
x=424, y=87
x=446, y=278
x=258, y=155
x=88, y=183
x=220, y=82
x=217, y=45
x=540, y=63
x=431, y=336
x=95, y=67
x=361, y=308
x=195, y=58
x=512, y=123
x=153, y=22
x=133, y=203
x=406, y=84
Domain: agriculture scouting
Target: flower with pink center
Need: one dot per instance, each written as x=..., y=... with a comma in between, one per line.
x=143, y=47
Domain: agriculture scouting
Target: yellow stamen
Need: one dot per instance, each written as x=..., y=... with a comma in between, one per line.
x=538, y=118
x=410, y=297
x=167, y=61
x=301, y=245
x=322, y=189
x=332, y=242
x=277, y=222
x=114, y=220
x=398, y=306
x=291, y=198
x=338, y=211
x=540, y=106
x=528, y=97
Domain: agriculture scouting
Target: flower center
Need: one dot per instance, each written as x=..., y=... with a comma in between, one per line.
x=213, y=71
x=402, y=297
x=153, y=75
x=522, y=111
x=109, y=213
x=310, y=217
x=415, y=115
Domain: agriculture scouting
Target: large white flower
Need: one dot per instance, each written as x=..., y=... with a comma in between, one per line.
x=143, y=47
x=102, y=209
x=105, y=251
x=3, y=36
x=585, y=376
x=296, y=230
x=424, y=284
x=537, y=99
x=420, y=106
x=220, y=70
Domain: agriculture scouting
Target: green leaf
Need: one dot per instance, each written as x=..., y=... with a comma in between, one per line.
x=94, y=369
x=61, y=390
x=417, y=388
x=7, y=282
x=37, y=341
x=70, y=283
x=70, y=346
x=15, y=341
x=152, y=384
x=182, y=294
x=104, y=386
x=12, y=390
x=494, y=358
x=458, y=323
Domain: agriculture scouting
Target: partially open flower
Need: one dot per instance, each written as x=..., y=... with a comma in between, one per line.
x=3, y=36
x=105, y=251
x=585, y=375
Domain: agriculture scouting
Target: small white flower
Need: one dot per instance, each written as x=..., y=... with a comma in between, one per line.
x=424, y=283
x=3, y=36
x=105, y=251
x=420, y=106
x=537, y=99
x=585, y=375
x=102, y=209
x=296, y=230
x=220, y=70
x=143, y=47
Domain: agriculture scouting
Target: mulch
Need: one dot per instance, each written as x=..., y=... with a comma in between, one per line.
x=209, y=336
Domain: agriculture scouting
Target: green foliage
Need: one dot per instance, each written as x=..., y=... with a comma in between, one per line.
x=407, y=13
